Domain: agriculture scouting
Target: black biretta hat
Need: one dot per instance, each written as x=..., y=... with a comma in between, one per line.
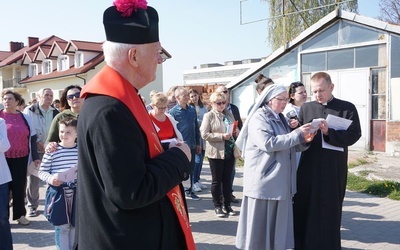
x=131, y=22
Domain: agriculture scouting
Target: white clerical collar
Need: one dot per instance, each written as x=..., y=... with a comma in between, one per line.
x=326, y=103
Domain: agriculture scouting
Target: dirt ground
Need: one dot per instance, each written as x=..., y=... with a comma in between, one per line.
x=379, y=165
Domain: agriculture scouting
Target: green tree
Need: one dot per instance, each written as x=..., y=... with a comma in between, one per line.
x=298, y=15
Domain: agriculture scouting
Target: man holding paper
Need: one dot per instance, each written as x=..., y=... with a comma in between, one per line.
x=322, y=172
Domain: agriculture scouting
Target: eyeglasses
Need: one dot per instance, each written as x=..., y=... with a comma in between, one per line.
x=220, y=103
x=282, y=99
x=161, y=108
x=76, y=95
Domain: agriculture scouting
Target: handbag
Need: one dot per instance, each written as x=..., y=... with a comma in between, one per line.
x=55, y=208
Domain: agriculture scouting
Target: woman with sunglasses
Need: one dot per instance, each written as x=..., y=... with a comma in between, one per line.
x=70, y=106
x=220, y=144
x=164, y=123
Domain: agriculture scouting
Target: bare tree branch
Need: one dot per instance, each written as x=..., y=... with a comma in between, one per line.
x=390, y=11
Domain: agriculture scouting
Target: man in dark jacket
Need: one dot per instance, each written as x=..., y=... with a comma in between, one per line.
x=129, y=194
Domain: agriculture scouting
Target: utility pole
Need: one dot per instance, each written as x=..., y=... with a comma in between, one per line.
x=284, y=23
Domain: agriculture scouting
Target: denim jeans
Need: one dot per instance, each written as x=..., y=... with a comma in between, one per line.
x=64, y=236
x=198, y=166
x=5, y=231
x=192, y=164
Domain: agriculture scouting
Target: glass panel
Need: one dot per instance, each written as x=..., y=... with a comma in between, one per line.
x=395, y=57
x=378, y=107
x=351, y=33
x=327, y=38
x=283, y=70
x=367, y=56
x=341, y=59
x=313, y=62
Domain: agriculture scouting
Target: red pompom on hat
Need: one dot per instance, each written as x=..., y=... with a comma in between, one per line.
x=131, y=22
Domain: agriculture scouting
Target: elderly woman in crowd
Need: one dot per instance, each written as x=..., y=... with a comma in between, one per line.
x=164, y=123
x=220, y=148
x=70, y=105
x=269, y=147
x=22, y=138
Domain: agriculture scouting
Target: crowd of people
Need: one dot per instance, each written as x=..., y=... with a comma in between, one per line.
x=116, y=177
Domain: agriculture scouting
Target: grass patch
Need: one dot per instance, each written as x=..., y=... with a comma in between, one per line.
x=389, y=189
x=358, y=162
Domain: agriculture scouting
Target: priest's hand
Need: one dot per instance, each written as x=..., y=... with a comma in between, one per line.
x=182, y=146
x=324, y=127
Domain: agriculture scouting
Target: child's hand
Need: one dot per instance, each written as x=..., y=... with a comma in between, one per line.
x=55, y=182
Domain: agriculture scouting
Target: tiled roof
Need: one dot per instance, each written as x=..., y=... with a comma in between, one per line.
x=69, y=72
x=4, y=55
x=84, y=46
x=20, y=53
x=51, y=48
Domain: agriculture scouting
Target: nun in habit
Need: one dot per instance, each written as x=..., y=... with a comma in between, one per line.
x=269, y=148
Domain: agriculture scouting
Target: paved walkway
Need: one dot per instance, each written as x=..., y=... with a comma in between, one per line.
x=368, y=222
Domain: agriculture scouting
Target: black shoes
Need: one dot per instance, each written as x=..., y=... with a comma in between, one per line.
x=228, y=210
x=219, y=212
x=233, y=199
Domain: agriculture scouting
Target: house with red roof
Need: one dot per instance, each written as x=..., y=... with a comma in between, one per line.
x=55, y=63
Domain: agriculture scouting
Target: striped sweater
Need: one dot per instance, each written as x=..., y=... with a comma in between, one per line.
x=58, y=162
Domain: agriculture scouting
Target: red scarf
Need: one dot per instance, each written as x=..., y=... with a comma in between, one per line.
x=109, y=82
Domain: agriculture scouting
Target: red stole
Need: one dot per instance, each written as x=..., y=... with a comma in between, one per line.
x=109, y=82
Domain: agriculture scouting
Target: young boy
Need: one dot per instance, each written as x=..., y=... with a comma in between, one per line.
x=60, y=194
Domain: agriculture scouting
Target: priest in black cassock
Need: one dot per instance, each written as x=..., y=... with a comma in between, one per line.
x=129, y=193
x=322, y=173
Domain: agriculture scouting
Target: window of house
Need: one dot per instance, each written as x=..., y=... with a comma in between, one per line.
x=370, y=56
x=394, y=57
x=32, y=70
x=283, y=68
x=313, y=62
x=62, y=63
x=353, y=33
x=47, y=67
x=378, y=96
x=327, y=38
x=340, y=59
x=78, y=59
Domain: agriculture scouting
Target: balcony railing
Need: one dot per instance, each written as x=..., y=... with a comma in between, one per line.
x=13, y=83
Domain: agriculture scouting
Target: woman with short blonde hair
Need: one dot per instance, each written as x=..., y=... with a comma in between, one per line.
x=220, y=151
x=164, y=123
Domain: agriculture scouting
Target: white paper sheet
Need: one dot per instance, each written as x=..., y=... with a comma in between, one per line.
x=170, y=140
x=69, y=175
x=337, y=123
x=315, y=124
